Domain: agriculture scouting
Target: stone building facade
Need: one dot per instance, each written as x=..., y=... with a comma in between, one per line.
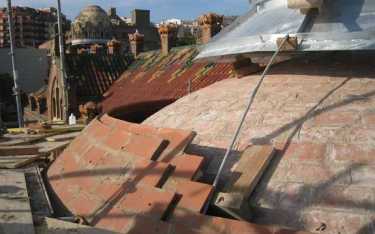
x=32, y=26
x=95, y=26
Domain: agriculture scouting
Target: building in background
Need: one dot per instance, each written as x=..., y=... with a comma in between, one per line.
x=95, y=26
x=189, y=31
x=32, y=26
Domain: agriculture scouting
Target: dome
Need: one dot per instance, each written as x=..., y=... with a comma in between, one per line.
x=309, y=110
x=92, y=25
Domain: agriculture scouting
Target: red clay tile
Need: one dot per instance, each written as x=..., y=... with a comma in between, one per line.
x=146, y=201
x=194, y=194
x=135, y=87
x=143, y=225
x=79, y=145
x=147, y=147
x=186, y=166
x=115, y=220
x=117, y=139
x=149, y=172
x=97, y=130
x=178, y=140
x=94, y=156
x=84, y=206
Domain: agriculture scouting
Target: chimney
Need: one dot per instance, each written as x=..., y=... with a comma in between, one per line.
x=95, y=49
x=114, y=46
x=167, y=37
x=112, y=11
x=136, y=41
x=210, y=24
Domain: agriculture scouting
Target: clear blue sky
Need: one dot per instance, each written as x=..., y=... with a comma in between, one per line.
x=160, y=9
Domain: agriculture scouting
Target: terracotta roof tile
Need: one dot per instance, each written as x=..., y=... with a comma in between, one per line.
x=93, y=74
x=122, y=190
x=156, y=77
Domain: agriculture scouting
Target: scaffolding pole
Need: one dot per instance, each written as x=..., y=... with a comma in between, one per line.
x=16, y=89
x=65, y=85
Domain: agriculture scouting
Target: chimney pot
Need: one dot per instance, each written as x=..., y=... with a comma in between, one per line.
x=167, y=37
x=136, y=41
x=210, y=25
x=114, y=46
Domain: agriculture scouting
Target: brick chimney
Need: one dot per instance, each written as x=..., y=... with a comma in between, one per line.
x=95, y=49
x=167, y=37
x=114, y=46
x=136, y=41
x=210, y=24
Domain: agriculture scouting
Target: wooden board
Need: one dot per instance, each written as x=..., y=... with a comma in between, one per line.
x=246, y=175
x=15, y=212
x=52, y=147
x=19, y=150
x=253, y=162
x=63, y=137
x=18, y=161
x=55, y=226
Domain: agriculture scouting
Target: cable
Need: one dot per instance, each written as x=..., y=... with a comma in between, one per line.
x=237, y=133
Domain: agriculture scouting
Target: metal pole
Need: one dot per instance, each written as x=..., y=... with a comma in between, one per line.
x=15, y=73
x=243, y=118
x=1, y=119
x=65, y=85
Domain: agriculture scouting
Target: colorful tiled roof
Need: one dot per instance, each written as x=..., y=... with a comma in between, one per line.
x=154, y=77
x=93, y=74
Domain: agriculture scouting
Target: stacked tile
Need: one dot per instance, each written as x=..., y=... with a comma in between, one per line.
x=132, y=178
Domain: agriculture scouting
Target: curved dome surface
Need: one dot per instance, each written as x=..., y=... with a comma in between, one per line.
x=92, y=25
x=319, y=113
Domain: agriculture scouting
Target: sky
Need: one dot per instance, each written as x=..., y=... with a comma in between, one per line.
x=160, y=9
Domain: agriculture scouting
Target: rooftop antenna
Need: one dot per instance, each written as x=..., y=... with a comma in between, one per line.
x=62, y=64
x=16, y=89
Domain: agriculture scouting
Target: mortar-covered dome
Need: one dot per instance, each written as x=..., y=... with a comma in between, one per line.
x=318, y=112
x=92, y=25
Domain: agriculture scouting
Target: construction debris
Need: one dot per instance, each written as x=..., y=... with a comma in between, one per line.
x=112, y=180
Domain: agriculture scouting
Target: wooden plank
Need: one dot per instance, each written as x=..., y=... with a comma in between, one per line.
x=15, y=212
x=19, y=150
x=52, y=147
x=253, y=162
x=63, y=137
x=246, y=175
x=18, y=161
x=55, y=226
